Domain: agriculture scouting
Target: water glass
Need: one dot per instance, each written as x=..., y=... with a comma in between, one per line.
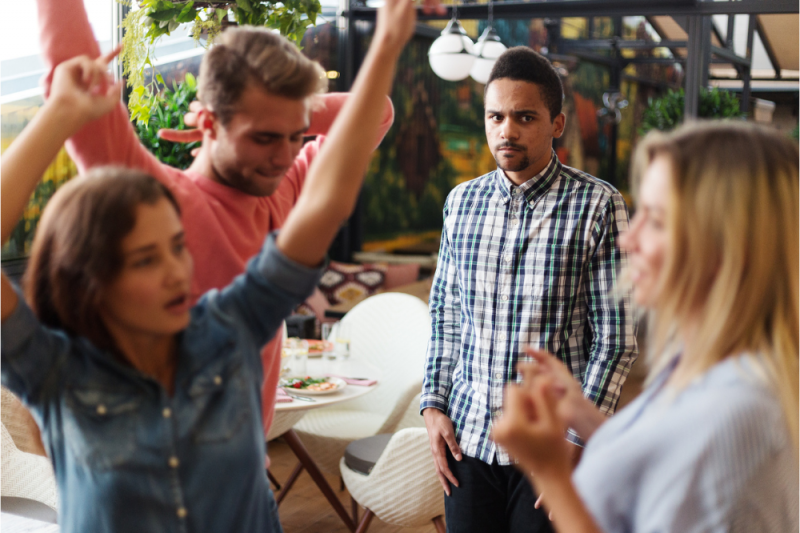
x=342, y=341
x=298, y=356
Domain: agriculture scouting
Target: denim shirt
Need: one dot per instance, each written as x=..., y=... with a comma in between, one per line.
x=126, y=455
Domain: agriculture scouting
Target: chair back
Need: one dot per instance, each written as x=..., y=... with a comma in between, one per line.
x=390, y=331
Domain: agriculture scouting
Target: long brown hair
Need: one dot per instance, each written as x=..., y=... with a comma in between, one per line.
x=77, y=252
x=733, y=267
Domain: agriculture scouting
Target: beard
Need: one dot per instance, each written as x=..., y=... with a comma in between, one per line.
x=510, y=164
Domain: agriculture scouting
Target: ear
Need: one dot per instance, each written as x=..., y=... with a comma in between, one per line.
x=208, y=123
x=558, y=125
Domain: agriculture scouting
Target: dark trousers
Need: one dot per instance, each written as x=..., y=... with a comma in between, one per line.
x=491, y=498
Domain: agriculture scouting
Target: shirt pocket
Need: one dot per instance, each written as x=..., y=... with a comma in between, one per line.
x=219, y=394
x=100, y=426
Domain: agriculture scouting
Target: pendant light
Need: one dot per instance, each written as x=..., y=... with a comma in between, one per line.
x=487, y=50
x=451, y=55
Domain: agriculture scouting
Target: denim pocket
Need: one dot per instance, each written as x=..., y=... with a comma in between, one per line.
x=100, y=426
x=219, y=394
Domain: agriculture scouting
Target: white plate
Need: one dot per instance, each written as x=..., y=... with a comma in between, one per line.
x=340, y=384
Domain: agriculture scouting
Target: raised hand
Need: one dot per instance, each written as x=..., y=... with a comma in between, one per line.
x=571, y=405
x=531, y=430
x=84, y=87
x=188, y=135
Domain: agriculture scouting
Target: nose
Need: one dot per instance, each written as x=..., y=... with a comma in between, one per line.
x=284, y=154
x=508, y=129
x=178, y=269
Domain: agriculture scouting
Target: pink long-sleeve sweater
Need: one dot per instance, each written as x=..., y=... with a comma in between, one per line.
x=224, y=227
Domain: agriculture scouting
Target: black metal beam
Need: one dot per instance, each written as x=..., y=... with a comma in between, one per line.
x=698, y=55
x=746, y=74
x=729, y=56
x=600, y=8
x=773, y=59
x=610, y=44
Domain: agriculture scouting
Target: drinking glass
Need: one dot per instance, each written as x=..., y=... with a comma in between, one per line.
x=298, y=352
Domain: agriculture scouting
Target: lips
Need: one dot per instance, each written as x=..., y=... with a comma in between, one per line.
x=179, y=304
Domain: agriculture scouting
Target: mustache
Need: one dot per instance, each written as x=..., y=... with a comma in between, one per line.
x=510, y=145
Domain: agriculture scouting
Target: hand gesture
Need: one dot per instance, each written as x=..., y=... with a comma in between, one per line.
x=84, y=88
x=531, y=430
x=441, y=437
x=189, y=135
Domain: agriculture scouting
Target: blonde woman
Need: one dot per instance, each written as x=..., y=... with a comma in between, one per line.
x=712, y=443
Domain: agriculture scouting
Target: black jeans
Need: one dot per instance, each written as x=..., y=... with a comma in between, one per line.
x=491, y=498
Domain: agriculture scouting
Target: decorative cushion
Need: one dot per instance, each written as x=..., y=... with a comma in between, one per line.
x=343, y=282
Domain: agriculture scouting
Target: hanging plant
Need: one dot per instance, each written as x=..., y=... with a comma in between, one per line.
x=155, y=18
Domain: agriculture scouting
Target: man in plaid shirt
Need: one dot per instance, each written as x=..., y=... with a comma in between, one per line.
x=529, y=257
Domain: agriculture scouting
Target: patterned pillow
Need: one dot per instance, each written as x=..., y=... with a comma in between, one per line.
x=344, y=282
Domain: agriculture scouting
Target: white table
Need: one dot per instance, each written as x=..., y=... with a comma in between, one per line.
x=287, y=414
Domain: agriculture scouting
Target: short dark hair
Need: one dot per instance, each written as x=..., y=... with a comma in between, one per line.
x=520, y=63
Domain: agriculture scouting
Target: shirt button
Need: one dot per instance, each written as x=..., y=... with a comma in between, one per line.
x=502, y=336
x=173, y=462
x=182, y=512
x=217, y=380
x=499, y=375
x=101, y=409
x=167, y=412
x=505, y=297
x=514, y=221
x=508, y=258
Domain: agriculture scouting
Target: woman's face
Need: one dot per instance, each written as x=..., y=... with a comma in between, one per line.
x=647, y=241
x=150, y=296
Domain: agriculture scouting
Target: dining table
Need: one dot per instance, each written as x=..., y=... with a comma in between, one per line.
x=287, y=414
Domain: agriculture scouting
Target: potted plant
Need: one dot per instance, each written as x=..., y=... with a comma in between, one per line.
x=666, y=113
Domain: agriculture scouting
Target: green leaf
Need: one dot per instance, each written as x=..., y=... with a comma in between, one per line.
x=160, y=79
x=244, y=4
x=165, y=15
x=190, y=81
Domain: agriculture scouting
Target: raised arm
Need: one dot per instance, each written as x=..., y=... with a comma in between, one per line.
x=336, y=174
x=64, y=33
x=611, y=318
x=81, y=92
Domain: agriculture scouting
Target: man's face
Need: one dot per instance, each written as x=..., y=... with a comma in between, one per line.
x=518, y=127
x=255, y=149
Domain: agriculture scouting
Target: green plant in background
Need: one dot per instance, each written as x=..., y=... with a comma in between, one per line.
x=796, y=133
x=154, y=18
x=666, y=113
x=168, y=113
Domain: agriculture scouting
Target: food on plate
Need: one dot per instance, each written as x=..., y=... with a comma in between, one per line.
x=309, y=383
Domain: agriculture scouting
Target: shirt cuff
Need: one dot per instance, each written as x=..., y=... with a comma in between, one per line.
x=289, y=275
x=436, y=401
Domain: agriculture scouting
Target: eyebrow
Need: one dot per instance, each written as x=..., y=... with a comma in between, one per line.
x=276, y=135
x=514, y=112
x=150, y=247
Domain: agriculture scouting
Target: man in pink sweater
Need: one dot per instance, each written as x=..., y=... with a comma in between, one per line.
x=260, y=97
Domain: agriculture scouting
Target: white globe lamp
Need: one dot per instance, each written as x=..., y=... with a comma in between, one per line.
x=487, y=50
x=451, y=55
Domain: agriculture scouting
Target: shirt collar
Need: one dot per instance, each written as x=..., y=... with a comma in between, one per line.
x=534, y=188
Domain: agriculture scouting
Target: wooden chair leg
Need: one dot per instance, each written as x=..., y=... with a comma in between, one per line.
x=273, y=481
x=289, y=482
x=364, y=524
x=341, y=484
x=438, y=522
x=354, y=506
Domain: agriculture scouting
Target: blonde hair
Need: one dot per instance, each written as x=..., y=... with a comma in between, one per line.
x=249, y=54
x=733, y=266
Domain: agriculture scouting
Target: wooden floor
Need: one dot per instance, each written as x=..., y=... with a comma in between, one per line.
x=305, y=509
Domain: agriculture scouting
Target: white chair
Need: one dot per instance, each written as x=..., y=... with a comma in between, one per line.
x=25, y=475
x=389, y=331
x=401, y=488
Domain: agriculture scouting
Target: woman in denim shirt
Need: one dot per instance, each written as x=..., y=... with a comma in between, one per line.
x=149, y=408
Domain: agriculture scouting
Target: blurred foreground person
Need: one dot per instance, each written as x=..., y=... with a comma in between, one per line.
x=712, y=442
x=149, y=406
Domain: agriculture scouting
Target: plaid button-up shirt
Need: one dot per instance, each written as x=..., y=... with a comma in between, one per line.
x=532, y=265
